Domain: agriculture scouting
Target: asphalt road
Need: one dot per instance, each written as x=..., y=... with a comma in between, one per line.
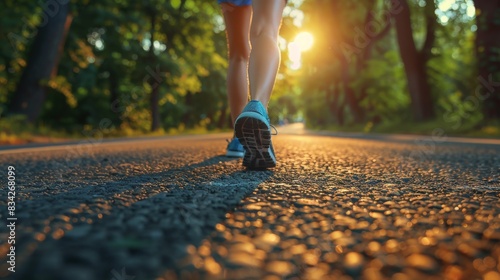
x=350, y=207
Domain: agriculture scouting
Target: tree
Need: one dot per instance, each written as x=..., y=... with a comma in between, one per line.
x=30, y=94
x=415, y=61
x=154, y=82
x=488, y=55
x=347, y=33
x=130, y=63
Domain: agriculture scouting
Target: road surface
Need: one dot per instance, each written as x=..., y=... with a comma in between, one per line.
x=350, y=207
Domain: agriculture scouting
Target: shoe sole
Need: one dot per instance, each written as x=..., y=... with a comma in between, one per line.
x=255, y=136
x=235, y=154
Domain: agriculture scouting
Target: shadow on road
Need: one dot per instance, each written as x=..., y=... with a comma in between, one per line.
x=143, y=224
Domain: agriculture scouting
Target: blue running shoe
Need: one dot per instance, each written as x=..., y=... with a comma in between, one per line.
x=235, y=149
x=253, y=129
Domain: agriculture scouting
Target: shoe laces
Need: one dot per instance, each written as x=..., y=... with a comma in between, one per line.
x=275, y=130
x=272, y=126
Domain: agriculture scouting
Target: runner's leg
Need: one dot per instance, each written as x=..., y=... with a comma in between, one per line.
x=265, y=54
x=237, y=19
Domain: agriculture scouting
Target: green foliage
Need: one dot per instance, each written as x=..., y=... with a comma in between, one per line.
x=385, y=86
x=375, y=71
x=117, y=51
x=110, y=64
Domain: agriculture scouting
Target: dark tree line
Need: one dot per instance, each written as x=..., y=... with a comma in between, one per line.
x=160, y=64
x=488, y=55
x=437, y=79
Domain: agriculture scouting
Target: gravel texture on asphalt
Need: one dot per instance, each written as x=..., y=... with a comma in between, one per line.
x=333, y=208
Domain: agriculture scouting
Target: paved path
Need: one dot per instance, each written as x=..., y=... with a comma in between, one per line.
x=350, y=207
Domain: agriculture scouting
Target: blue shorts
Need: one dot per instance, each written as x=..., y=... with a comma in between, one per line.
x=236, y=2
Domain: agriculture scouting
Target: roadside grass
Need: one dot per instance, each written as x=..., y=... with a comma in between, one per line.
x=16, y=131
x=476, y=128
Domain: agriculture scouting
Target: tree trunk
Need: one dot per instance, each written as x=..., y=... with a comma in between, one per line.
x=114, y=83
x=187, y=117
x=488, y=56
x=345, y=79
x=154, y=98
x=414, y=64
x=30, y=93
x=113, y=87
x=221, y=123
x=350, y=94
x=67, y=25
x=155, y=112
x=366, y=53
x=336, y=108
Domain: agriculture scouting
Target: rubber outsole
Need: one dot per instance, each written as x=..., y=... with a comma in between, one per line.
x=234, y=154
x=255, y=136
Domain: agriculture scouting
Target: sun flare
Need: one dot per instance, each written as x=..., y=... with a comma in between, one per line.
x=305, y=40
x=302, y=42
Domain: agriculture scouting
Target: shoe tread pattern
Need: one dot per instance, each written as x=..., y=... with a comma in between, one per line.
x=255, y=136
